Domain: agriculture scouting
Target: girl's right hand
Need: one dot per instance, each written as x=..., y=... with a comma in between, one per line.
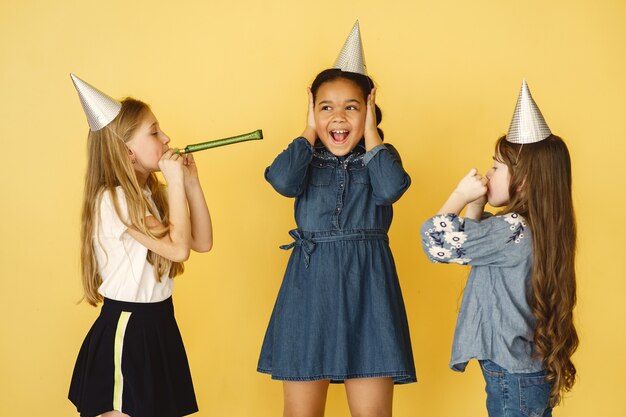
x=310, y=133
x=472, y=188
x=171, y=166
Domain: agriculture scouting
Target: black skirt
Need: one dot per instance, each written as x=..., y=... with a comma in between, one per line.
x=133, y=360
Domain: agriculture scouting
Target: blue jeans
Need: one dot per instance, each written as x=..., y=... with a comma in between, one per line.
x=515, y=395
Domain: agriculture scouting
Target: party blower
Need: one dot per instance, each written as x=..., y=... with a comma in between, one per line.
x=256, y=135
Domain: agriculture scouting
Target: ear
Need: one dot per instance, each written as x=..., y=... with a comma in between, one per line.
x=131, y=154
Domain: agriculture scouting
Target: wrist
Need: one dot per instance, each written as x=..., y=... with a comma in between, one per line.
x=176, y=180
x=372, y=135
x=460, y=197
x=477, y=204
x=191, y=181
x=309, y=134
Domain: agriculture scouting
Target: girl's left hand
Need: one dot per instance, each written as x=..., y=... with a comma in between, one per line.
x=371, y=127
x=190, y=168
x=372, y=138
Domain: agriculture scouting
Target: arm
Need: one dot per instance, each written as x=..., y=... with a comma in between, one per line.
x=288, y=172
x=175, y=244
x=201, y=226
x=388, y=178
x=448, y=238
x=471, y=192
x=501, y=241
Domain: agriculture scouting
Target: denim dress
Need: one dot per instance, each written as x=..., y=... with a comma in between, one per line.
x=339, y=312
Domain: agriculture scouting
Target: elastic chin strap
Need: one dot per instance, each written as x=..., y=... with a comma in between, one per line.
x=518, y=153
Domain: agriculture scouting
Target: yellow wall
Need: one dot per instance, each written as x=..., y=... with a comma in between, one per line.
x=448, y=76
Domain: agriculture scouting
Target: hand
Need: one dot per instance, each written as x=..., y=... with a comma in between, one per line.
x=171, y=166
x=310, y=133
x=473, y=188
x=372, y=138
x=190, y=169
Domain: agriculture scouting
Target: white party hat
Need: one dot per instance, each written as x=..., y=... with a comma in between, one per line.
x=99, y=107
x=351, y=57
x=528, y=124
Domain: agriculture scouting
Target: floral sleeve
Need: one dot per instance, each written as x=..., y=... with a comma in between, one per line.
x=496, y=240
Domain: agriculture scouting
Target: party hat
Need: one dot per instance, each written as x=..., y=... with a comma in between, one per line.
x=528, y=124
x=351, y=57
x=99, y=108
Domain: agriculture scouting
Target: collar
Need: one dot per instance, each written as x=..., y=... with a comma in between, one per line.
x=146, y=192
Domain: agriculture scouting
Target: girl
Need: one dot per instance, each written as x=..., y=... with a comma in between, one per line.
x=516, y=313
x=135, y=235
x=339, y=316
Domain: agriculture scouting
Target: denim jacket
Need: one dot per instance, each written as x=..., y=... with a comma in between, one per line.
x=348, y=193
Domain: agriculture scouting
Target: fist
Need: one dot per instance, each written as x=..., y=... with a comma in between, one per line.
x=472, y=186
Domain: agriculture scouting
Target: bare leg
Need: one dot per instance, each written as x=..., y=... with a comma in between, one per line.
x=370, y=397
x=305, y=399
x=114, y=414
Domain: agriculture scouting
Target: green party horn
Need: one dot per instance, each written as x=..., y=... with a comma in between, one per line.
x=256, y=135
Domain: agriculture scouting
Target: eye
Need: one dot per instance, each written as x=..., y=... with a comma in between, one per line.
x=326, y=107
x=352, y=108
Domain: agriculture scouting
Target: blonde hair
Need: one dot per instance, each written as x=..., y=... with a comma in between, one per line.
x=108, y=167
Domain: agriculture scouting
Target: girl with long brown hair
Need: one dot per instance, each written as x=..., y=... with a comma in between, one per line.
x=136, y=233
x=516, y=314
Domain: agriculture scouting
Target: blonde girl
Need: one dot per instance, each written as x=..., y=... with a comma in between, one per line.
x=136, y=233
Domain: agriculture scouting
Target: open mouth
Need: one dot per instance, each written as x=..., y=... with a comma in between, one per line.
x=339, y=136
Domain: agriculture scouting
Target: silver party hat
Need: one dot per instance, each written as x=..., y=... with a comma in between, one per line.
x=99, y=108
x=528, y=124
x=351, y=57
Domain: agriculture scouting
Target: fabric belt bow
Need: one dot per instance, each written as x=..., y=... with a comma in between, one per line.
x=307, y=245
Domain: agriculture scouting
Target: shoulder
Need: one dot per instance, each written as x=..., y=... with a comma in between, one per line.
x=113, y=201
x=113, y=212
x=498, y=221
x=503, y=228
x=109, y=196
x=390, y=148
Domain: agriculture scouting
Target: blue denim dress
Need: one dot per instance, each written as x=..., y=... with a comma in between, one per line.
x=339, y=312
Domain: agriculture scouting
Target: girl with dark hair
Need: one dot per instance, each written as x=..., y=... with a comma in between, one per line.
x=516, y=313
x=339, y=316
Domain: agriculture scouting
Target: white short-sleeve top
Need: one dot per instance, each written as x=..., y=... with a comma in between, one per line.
x=122, y=261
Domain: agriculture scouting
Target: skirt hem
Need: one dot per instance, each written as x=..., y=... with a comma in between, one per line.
x=399, y=377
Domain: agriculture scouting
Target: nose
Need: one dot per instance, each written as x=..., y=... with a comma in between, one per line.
x=165, y=139
x=339, y=115
x=489, y=174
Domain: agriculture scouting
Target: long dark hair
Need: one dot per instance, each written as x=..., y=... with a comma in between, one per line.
x=363, y=82
x=541, y=191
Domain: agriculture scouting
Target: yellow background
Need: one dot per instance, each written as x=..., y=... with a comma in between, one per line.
x=448, y=74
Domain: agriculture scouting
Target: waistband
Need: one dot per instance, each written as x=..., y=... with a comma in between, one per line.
x=307, y=240
x=115, y=306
